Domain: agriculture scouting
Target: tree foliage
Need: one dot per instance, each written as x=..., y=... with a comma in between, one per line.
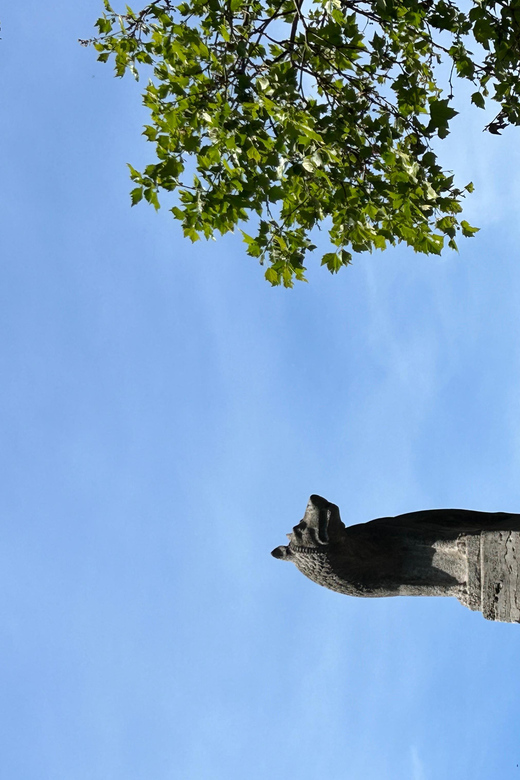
x=304, y=114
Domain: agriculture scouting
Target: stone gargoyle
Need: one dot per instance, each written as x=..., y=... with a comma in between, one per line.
x=439, y=552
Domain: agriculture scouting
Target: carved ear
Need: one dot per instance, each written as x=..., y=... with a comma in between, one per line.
x=283, y=553
x=324, y=516
x=317, y=516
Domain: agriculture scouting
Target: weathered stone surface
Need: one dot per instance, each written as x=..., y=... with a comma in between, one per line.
x=493, y=585
x=441, y=552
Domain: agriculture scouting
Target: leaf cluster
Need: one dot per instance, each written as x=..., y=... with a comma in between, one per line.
x=304, y=115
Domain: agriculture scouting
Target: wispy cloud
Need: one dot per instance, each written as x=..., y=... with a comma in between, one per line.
x=418, y=770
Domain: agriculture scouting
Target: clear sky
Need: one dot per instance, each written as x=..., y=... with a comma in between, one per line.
x=166, y=414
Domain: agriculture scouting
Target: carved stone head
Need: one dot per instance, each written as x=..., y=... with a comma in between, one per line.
x=316, y=546
x=321, y=526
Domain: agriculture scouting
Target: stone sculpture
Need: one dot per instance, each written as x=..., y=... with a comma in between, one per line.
x=439, y=552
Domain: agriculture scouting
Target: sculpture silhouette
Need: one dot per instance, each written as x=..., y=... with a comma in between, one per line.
x=439, y=552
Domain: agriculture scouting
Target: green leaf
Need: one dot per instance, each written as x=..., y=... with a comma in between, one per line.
x=272, y=276
x=192, y=234
x=151, y=196
x=332, y=261
x=440, y=115
x=136, y=195
x=478, y=99
x=248, y=239
x=467, y=230
x=104, y=25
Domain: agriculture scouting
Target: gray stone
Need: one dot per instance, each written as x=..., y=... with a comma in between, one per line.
x=439, y=552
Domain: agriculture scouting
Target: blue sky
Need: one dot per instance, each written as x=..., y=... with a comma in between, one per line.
x=165, y=416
